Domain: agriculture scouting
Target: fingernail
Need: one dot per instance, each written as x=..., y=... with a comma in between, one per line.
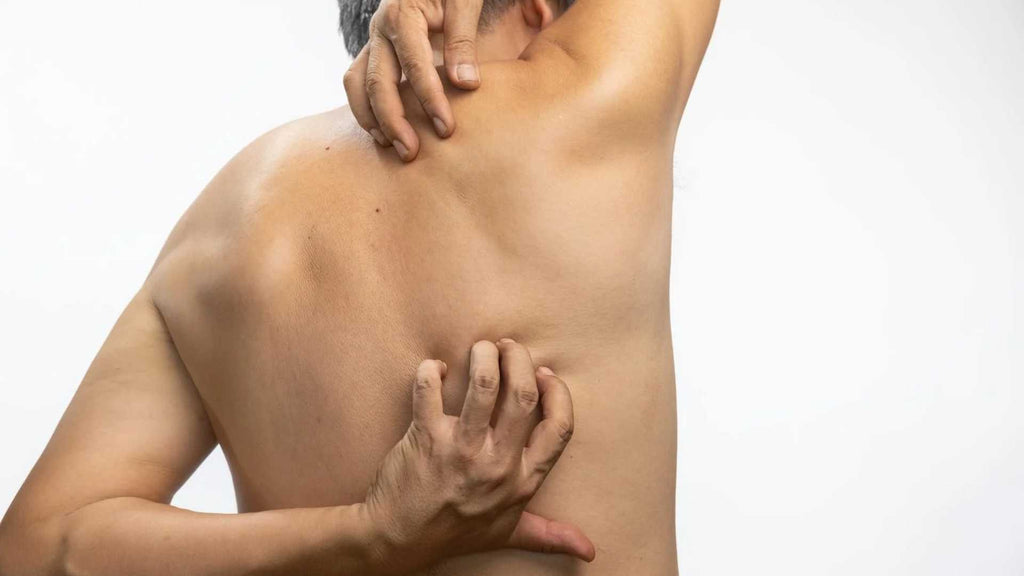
x=442, y=128
x=443, y=364
x=467, y=73
x=402, y=150
x=545, y=370
x=506, y=341
x=379, y=137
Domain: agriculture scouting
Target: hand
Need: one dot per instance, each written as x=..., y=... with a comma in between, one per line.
x=457, y=485
x=400, y=42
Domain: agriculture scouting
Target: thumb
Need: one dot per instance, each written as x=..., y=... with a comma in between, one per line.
x=538, y=534
x=461, y=19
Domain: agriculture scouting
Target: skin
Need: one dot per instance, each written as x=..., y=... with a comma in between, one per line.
x=288, y=315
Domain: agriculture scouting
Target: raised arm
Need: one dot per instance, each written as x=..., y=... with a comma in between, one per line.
x=637, y=58
x=97, y=501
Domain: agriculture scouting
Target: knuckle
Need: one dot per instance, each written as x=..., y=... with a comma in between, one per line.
x=375, y=83
x=423, y=384
x=428, y=375
x=527, y=397
x=350, y=79
x=565, y=430
x=386, y=16
x=425, y=378
x=489, y=475
x=485, y=381
x=460, y=43
x=422, y=75
x=525, y=492
x=427, y=92
x=542, y=468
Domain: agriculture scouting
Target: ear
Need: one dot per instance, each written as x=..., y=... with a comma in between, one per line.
x=537, y=13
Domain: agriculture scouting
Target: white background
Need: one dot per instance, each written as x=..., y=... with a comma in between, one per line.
x=848, y=283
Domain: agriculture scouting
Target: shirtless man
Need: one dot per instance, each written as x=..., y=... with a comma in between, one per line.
x=289, y=313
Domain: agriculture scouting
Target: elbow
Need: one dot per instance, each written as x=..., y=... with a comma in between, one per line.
x=6, y=552
x=10, y=555
x=31, y=548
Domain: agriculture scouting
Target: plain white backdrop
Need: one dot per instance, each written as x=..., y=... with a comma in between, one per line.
x=848, y=282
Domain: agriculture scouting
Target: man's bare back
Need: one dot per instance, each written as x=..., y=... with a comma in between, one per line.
x=311, y=291
x=307, y=282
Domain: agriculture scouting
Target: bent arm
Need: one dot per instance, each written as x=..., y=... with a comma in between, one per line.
x=97, y=501
x=138, y=536
x=623, y=65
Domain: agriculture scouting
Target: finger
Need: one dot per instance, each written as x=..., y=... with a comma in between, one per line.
x=461, y=20
x=484, y=378
x=427, y=405
x=538, y=534
x=552, y=435
x=359, y=100
x=519, y=394
x=382, y=77
x=411, y=40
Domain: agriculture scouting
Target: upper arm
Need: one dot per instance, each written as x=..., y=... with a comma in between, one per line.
x=136, y=427
x=636, y=58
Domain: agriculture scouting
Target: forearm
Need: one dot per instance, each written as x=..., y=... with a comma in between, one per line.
x=139, y=537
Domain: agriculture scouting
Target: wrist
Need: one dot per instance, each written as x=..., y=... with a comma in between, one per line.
x=361, y=544
x=378, y=548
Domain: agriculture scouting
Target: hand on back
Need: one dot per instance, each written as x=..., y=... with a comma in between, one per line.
x=457, y=485
x=400, y=44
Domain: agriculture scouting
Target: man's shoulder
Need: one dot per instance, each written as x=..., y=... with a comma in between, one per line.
x=244, y=230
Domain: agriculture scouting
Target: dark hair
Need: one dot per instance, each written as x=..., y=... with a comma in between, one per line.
x=356, y=14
